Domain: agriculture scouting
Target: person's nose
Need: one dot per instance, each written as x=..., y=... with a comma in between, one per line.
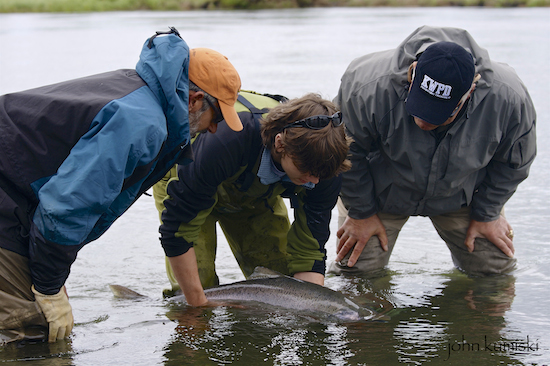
x=313, y=179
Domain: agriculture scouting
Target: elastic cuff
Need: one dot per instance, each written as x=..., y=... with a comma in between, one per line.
x=175, y=248
x=482, y=218
x=361, y=215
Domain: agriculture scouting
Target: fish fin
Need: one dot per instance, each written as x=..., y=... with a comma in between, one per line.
x=122, y=292
x=263, y=272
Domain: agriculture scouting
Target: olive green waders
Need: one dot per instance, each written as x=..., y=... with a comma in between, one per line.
x=257, y=237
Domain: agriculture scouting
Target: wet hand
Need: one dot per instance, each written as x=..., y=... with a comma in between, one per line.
x=499, y=232
x=58, y=313
x=195, y=297
x=355, y=234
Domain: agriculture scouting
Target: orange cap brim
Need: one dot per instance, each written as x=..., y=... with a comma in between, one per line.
x=230, y=116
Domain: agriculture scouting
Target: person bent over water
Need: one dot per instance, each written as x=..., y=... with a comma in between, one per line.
x=439, y=130
x=76, y=155
x=295, y=149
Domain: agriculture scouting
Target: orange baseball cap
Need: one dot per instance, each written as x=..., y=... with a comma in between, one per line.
x=212, y=72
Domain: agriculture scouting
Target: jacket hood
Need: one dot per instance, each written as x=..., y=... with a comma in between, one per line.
x=410, y=49
x=165, y=68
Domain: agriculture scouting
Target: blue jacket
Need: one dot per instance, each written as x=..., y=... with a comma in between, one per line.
x=81, y=152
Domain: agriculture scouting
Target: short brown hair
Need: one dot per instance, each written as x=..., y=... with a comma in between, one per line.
x=321, y=153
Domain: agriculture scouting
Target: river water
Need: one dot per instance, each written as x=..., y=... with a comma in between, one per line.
x=438, y=316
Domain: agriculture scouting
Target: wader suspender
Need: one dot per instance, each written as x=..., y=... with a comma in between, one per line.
x=247, y=178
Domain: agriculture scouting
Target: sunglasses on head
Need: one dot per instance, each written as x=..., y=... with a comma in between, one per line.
x=317, y=122
x=218, y=116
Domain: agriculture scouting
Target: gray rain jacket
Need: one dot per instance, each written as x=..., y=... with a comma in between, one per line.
x=400, y=169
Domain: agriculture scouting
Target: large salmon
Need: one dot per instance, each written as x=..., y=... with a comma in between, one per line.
x=270, y=287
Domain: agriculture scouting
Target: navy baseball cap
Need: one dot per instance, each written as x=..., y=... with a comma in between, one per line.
x=444, y=73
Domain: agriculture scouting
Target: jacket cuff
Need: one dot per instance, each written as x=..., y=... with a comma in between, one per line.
x=49, y=262
x=360, y=215
x=481, y=217
x=175, y=247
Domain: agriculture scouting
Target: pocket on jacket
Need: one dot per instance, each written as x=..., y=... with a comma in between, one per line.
x=524, y=149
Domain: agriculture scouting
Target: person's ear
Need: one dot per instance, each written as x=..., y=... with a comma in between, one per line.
x=196, y=98
x=279, y=148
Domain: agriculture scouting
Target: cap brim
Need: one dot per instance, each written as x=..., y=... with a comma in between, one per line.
x=231, y=117
x=427, y=108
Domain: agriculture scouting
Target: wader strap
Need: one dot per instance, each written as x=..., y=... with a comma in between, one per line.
x=247, y=178
x=255, y=111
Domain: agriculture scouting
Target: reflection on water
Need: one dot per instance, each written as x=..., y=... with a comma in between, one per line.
x=437, y=315
x=42, y=354
x=461, y=323
x=226, y=336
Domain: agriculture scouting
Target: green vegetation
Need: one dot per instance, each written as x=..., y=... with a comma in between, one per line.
x=67, y=6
